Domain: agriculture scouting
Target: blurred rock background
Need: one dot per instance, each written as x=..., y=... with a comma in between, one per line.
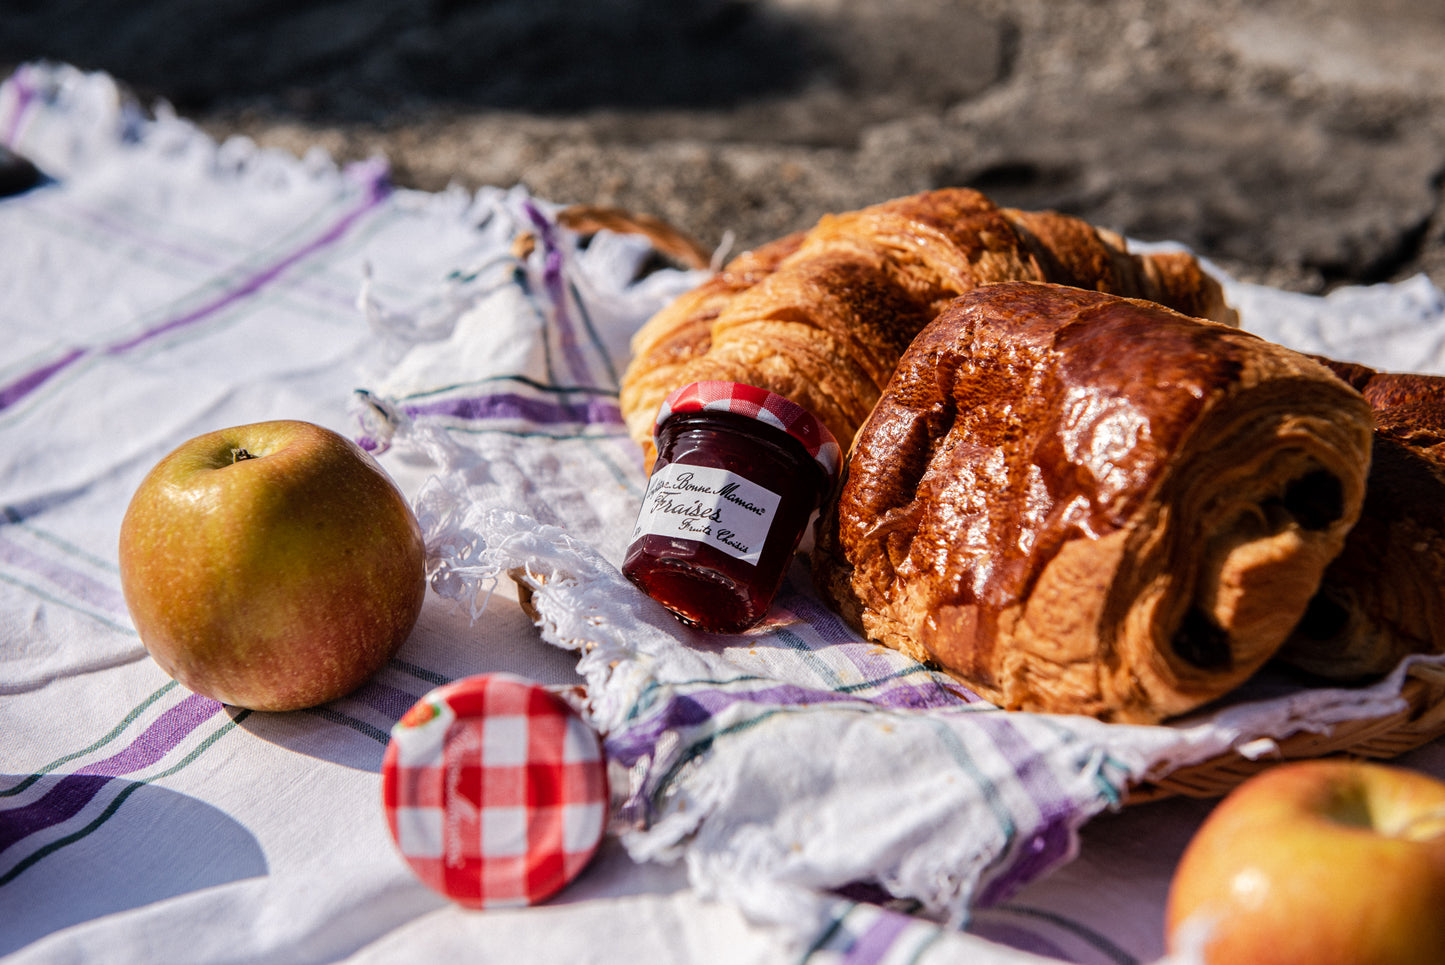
x=1299, y=143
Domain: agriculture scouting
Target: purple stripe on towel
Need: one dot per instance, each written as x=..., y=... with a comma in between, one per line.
x=790, y=695
x=592, y=410
x=556, y=289
x=25, y=94
x=1052, y=840
x=827, y=624
x=1041, y=843
x=872, y=661
x=58, y=805
x=875, y=942
x=684, y=711
x=76, y=584
x=71, y=793
x=389, y=701
x=30, y=381
x=376, y=191
x=203, y=259
x=163, y=735
x=1045, y=848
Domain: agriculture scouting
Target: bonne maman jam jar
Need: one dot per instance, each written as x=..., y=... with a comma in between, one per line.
x=739, y=472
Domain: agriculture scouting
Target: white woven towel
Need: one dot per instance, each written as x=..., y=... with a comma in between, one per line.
x=828, y=800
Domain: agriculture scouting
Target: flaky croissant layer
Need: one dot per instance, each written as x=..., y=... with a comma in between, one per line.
x=1383, y=597
x=823, y=316
x=1081, y=503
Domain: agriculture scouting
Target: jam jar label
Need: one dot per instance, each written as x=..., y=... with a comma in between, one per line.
x=707, y=505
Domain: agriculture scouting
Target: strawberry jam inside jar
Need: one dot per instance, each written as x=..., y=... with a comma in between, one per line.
x=739, y=472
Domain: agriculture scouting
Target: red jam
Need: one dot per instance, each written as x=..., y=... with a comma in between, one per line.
x=738, y=475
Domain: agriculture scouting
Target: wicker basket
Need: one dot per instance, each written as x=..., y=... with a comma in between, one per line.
x=588, y=219
x=1420, y=721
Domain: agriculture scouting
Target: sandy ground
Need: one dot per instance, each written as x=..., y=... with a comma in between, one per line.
x=1296, y=142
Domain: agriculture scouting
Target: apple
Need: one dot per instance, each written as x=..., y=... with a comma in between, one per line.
x=1325, y=862
x=272, y=566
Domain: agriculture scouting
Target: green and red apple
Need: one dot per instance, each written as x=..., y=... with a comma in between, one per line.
x=1326, y=862
x=272, y=566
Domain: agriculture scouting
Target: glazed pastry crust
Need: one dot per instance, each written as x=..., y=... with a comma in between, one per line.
x=1081, y=503
x=1383, y=597
x=823, y=316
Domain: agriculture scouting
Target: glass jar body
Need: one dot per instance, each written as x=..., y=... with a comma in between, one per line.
x=727, y=503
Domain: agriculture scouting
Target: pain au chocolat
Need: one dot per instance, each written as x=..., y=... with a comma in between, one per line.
x=1081, y=503
x=1383, y=597
x=823, y=316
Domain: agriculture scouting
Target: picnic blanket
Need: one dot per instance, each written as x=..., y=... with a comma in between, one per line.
x=792, y=793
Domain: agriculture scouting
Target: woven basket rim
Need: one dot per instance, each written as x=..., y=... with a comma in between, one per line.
x=1420, y=721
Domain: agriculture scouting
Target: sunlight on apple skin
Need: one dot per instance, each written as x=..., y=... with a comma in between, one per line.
x=1319, y=862
x=276, y=579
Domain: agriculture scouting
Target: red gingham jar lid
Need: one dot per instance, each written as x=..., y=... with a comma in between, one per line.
x=775, y=410
x=495, y=791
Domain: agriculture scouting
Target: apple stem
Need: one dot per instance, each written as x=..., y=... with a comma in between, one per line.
x=239, y=454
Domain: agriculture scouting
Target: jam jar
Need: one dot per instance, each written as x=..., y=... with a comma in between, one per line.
x=739, y=472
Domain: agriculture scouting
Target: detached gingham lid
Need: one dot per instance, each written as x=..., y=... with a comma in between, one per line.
x=495, y=791
x=769, y=407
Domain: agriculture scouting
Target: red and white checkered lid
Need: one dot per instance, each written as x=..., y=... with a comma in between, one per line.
x=495, y=791
x=776, y=410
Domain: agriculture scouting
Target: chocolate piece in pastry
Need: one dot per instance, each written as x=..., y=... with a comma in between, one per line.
x=1081, y=503
x=822, y=317
x=1383, y=597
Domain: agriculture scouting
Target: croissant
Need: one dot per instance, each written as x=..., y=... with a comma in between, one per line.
x=1081, y=503
x=1383, y=597
x=823, y=316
